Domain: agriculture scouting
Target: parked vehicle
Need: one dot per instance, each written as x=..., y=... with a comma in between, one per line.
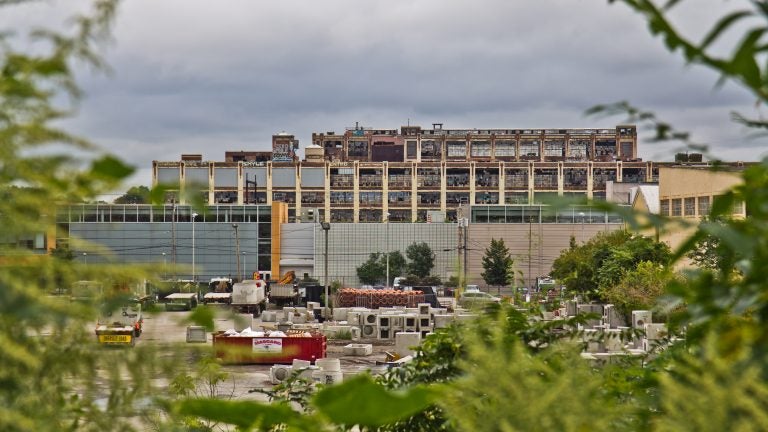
x=469, y=299
x=429, y=295
x=120, y=326
x=178, y=295
x=249, y=296
x=180, y=301
x=219, y=291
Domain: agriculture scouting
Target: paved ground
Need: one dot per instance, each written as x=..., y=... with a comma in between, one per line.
x=169, y=328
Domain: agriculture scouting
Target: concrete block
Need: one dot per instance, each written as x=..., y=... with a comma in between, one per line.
x=384, y=321
x=353, y=318
x=340, y=314
x=269, y=316
x=369, y=317
x=655, y=331
x=424, y=308
x=443, y=321
x=405, y=341
x=612, y=340
x=384, y=334
x=196, y=334
x=425, y=322
x=358, y=350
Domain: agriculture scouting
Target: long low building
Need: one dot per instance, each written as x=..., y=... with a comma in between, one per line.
x=239, y=240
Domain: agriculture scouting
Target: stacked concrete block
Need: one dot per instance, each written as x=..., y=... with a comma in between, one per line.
x=383, y=323
x=405, y=342
x=314, y=306
x=410, y=322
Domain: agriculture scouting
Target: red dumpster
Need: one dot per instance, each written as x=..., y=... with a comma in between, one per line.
x=268, y=350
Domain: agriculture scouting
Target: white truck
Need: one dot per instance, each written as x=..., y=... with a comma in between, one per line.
x=249, y=296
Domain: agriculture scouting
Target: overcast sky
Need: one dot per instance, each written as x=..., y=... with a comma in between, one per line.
x=193, y=76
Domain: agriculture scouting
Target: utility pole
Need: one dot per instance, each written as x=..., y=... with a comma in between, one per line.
x=173, y=239
x=237, y=251
x=466, y=251
x=530, y=249
x=194, y=273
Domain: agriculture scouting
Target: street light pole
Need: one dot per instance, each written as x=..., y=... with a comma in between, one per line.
x=582, y=226
x=194, y=273
x=165, y=267
x=237, y=250
x=326, y=227
x=85, y=258
x=387, y=236
x=245, y=265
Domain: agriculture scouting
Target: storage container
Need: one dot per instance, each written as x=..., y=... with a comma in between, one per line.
x=268, y=350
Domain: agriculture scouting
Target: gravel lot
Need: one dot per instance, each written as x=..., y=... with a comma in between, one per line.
x=169, y=328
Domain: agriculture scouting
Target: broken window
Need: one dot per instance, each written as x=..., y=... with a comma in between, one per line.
x=578, y=149
x=358, y=149
x=529, y=149
x=480, y=149
x=516, y=178
x=430, y=149
x=545, y=178
x=574, y=178
x=456, y=149
x=505, y=148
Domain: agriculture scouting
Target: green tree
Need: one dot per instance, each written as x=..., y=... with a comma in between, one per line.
x=600, y=263
x=135, y=195
x=422, y=259
x=374, y=270
x=371, y=272
x=497, y=263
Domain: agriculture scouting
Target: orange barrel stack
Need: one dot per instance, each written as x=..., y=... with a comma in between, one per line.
x=372, y=299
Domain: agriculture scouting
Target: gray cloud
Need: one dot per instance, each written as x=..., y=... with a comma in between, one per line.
x=203, y=76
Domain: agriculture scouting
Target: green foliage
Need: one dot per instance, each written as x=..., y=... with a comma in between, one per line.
x=508, y=389
x=421, y=259
x=603, y=261
x=361, y=401
x=497, y=263
x=374, y=270
x=639, y=288
x=135, y=195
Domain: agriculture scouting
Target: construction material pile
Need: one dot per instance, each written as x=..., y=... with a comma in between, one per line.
x=373, y=299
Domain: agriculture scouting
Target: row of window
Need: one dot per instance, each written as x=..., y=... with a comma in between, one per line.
x=692, y=206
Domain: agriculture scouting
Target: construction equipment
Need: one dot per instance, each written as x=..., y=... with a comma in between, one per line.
x=287, y=278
